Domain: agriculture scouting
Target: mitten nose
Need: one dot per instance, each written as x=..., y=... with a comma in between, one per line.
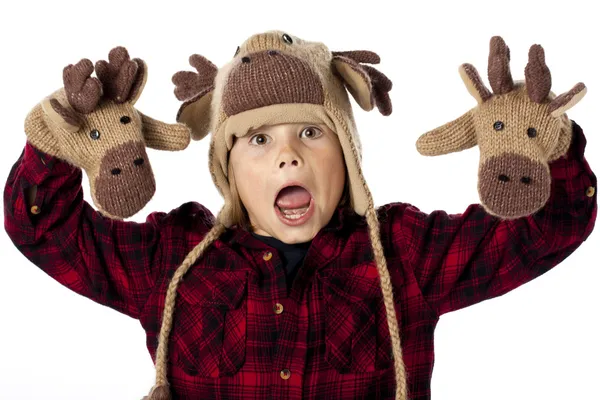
x=125, y=182
x=512, y=185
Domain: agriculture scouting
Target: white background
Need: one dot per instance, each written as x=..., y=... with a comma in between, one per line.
x=539, y=341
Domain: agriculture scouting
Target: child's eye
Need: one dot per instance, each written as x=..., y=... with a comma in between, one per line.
x=312, y=132
x=261, y=139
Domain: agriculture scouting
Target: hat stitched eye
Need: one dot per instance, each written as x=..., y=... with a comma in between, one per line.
x=237, y=51
x=287, y=38
x=531, y=132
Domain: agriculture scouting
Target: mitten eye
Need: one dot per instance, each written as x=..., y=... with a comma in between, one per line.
x=95, y=134
x=125, y=119
x=287, y=38
x=498, y=125
x=531, y=132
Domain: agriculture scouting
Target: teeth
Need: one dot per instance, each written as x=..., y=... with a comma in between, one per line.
x=293, y=213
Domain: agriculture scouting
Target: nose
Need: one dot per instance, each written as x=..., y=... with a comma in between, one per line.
x=125, y=182
x=137, y=162
x=293, y=162
x=513, y=185
x=289, y=157
x=247, y=88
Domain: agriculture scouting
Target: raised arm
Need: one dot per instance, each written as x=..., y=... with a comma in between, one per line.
x=462, y=259
x=113, y=262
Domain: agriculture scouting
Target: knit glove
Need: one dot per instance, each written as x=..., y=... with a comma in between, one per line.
x=92, y=124
x=520, y=128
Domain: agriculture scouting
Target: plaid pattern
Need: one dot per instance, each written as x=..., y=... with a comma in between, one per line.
x=238, y=335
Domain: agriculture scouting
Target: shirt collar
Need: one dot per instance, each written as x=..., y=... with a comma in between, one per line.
x=343, y=217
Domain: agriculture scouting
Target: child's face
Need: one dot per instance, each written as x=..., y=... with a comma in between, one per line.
x=268, y=158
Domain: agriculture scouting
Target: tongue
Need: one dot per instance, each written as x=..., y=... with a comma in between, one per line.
x=293, y=197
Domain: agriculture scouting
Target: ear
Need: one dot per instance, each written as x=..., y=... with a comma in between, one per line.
x=367, y=85
x=63, y=116
x=567, y=100
x=454, y=136
x=196, y=114
x=140, y=81
x=162, y=136
x=474, y=83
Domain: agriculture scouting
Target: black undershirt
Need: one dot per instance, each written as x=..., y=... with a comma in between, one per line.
x=291, y=255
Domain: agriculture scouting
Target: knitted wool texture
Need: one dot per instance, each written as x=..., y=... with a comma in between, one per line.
x=519, y=129
x=92, y=124
x=278, y=78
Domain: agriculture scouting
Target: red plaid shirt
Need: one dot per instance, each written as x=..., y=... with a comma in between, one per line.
x=238, y=335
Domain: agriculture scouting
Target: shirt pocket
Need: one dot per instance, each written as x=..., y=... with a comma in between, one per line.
x=209, y=331
x=356, y=331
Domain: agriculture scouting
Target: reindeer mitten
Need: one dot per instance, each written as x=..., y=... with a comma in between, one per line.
x=92, y=124
x=520, y=128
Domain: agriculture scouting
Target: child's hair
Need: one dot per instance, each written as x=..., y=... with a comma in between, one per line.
x=240, y=214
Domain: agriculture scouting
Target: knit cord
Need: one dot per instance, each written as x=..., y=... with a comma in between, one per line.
x=384, y=275
x=388, y=299
x=160, y=390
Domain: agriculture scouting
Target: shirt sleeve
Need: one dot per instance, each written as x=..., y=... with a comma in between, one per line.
x=462, y=259
x=112, y=262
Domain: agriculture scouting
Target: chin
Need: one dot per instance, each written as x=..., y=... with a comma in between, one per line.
x=293, y=235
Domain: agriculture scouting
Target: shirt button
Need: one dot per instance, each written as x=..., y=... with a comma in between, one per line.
x=278, y=308
x=35, y=210
x=285, y=373
x=267, y=256
x=590, y=191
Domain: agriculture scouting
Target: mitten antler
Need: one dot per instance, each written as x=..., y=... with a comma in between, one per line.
x=83, y=91
x=120, y=76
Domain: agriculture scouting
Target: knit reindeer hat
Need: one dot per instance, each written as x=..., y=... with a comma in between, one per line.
x=275, y=78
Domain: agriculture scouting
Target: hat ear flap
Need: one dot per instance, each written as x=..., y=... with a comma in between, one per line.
x=367, y=85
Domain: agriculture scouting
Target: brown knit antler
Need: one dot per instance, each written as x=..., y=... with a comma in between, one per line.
x=498, y=66
x=120, y=75
x=83, y=91
x=537, y=75
x=380, y=82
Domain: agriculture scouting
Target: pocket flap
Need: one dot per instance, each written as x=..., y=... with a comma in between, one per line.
x=354, y=284
x=211, y=288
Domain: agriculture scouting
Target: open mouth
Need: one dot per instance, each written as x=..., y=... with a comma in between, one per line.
x=294, y=204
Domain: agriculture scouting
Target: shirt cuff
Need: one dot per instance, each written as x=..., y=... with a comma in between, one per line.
x=37, y=165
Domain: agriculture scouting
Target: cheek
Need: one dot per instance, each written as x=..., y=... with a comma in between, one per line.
x=331, y=169
x=250, y=180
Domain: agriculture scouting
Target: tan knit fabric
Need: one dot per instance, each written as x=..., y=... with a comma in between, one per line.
x=254, y=89
x=519, y=129
x=92, y=124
